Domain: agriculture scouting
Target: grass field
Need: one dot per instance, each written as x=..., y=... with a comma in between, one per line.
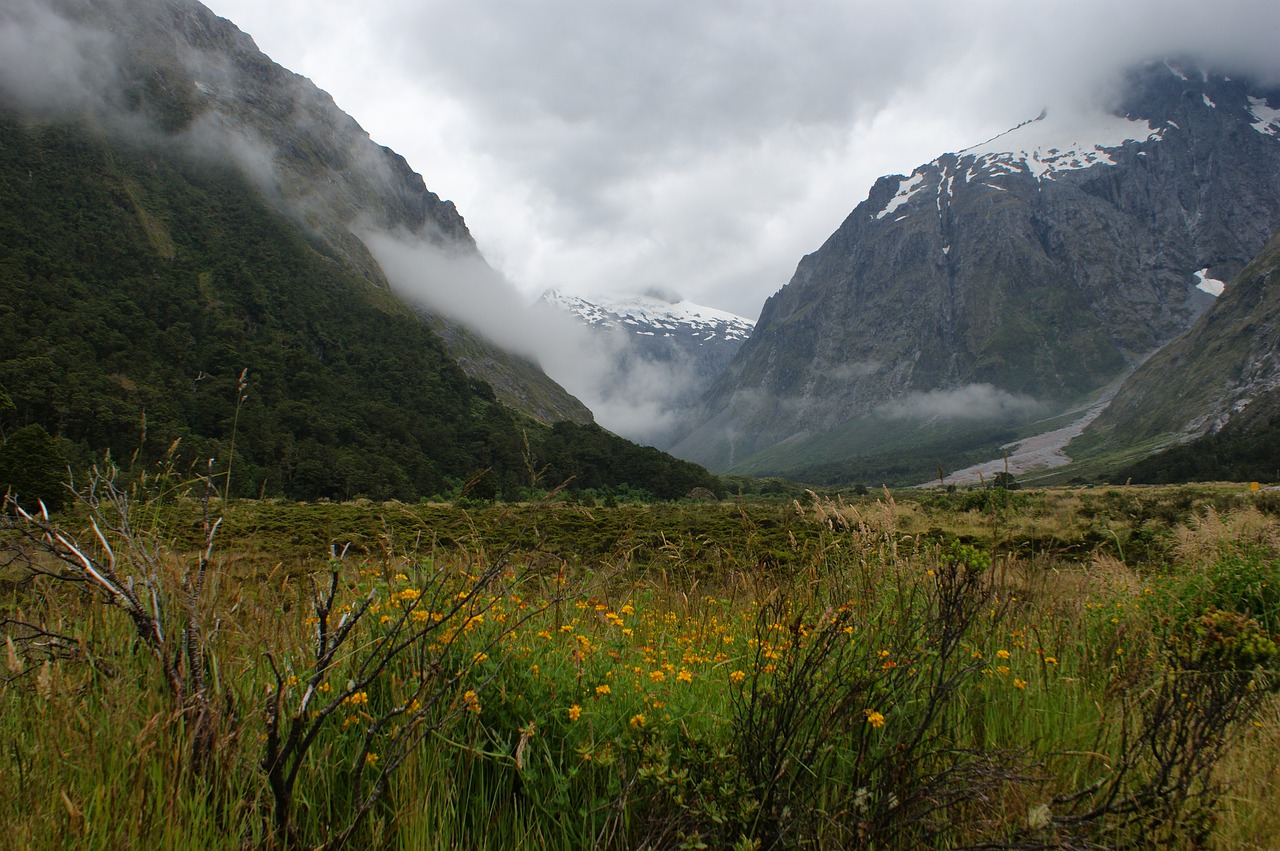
x=1003, y=669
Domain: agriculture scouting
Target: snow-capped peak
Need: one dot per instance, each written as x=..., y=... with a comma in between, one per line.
x=1057, y=142
x=653, y=314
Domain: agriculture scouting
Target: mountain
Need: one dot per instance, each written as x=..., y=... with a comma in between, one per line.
x=1223, y=419
x=656, y=349
x=172, y=70
x=1000, y=285
x=641, y=361
x=672, y=323
x=185, y=266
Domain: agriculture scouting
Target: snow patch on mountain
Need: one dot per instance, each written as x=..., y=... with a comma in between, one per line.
x=654, y=314
x=1266, y=119
x=1212, y=286
x=1057, y=142
x=906, y=189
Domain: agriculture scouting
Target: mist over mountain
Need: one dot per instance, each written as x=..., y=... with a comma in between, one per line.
x=1002, y=284
x=200, y=253
x=170, y=72
x=653, y=355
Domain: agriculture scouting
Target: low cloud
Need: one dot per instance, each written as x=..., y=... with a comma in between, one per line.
x=971, y=402
x=709, y=145
x=634, y=397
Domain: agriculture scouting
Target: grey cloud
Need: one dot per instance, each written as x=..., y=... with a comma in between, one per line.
x=53, y=65
x=970, y=402
x=711, y=145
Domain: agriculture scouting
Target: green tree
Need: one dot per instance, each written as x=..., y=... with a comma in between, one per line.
x=33, y=468
x=6, y=405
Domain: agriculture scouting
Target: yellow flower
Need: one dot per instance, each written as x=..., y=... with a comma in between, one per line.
x=1019, y=683
x=637, y=721
x=875, y=719
x=358, y=699
x=603, y=689
x=471, y=701
x=684, y=676
x=478, y=658
x=1002, y=654
x=737, y=676
x=657, y=676
x=370, y=758
x=575, y=712
x=627, y=610
x=1049, y=660
x=1002, y=670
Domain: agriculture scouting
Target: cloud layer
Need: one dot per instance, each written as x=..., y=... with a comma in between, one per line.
x=706, y=147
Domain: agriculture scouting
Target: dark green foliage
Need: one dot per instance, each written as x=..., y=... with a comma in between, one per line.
x=32, y=467
x=136, y=286
x=1244, y=579
x=1237, y=455
x=596, y=459
x=1004, y=480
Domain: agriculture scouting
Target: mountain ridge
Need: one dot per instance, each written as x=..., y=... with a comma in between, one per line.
x=1003, y=284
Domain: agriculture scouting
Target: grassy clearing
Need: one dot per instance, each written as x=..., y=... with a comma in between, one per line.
x=1008, y=669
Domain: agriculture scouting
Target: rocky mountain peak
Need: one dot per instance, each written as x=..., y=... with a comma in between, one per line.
x=1005, y=281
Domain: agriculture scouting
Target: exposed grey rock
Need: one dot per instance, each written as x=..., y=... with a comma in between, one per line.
x=1013, y=282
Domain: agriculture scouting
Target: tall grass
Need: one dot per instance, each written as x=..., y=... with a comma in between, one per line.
x=887, y=673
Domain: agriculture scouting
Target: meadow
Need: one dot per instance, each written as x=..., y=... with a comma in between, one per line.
x=1089, y=667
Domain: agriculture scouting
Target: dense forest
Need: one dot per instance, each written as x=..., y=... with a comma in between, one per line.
x=148, y=297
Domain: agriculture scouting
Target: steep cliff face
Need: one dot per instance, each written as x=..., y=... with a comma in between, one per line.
x=1004, y=281
x=172, y=72
x=1223, y=372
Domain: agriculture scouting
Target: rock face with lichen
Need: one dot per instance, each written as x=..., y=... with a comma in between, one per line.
x=1005, y=282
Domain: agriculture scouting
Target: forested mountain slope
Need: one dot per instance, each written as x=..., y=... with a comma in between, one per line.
x=154, y=288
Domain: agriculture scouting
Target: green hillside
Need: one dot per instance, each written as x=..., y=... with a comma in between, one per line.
x=138, y=284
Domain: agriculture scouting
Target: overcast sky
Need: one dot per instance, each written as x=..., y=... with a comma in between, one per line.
x=704, y=147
